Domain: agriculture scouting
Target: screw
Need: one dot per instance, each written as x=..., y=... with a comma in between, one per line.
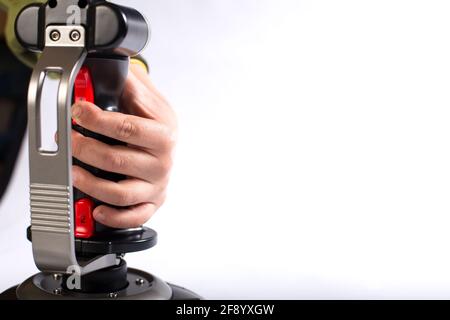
x=57, y=291
x=57, y=277
x=140, y=282
x=113, y=295
x=75, y=35
x=55, y=35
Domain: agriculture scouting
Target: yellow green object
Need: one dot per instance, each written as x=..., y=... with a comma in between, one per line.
x=12, y=8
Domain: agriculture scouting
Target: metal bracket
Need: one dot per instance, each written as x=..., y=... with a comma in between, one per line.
x=51, y=185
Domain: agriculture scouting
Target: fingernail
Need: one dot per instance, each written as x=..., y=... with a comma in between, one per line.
x=76, y=111
x=99, y=216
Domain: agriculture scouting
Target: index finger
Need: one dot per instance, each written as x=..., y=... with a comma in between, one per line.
x=146, y=133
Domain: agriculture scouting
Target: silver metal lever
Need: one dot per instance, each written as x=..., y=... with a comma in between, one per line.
x=51, y=188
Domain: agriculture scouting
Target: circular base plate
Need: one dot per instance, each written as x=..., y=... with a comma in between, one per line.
x=142, y=286
x=120, y=242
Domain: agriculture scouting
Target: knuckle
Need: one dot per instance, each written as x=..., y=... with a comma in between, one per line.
x=164, y=138
x=166, y=165
x=167, y=141
x=159, y=194
x=126, y=129
x=124, y=198
x=159, y=172
x=162, y=198
x=118, y=161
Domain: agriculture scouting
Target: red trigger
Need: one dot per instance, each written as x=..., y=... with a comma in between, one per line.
x=84, y=87
x=84, y=219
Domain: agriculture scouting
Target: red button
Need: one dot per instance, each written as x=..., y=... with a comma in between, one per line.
x=84, y=219
x=84, y=87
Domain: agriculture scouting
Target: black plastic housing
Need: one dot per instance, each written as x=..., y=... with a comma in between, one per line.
x=110, y=28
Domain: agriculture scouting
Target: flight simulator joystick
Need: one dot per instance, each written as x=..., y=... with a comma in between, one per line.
x=87, y=45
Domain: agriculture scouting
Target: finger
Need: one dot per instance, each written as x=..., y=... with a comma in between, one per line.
x=120, y=159
x=132, y=217
x=141, y=98
x=125, y=193
x=134, y=130
x=142, y=77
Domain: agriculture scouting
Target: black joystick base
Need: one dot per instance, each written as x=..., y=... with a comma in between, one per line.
x=114, y=283
x=139, y=290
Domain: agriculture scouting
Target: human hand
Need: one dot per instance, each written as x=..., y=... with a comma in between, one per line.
x=149, y=130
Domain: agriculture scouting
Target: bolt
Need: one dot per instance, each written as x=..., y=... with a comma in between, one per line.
x=140, y=282
x=57, y=277
x=55, y=35
x=113, y=295
x=75, y=35
x=57, y=291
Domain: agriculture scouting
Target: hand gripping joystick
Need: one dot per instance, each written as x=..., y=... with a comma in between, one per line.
x=87, y=44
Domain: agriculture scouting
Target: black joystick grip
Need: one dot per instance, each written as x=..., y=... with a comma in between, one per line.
x=101, y=81
x=107, y=34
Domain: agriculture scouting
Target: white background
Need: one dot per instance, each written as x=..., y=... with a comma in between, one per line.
x=314, y=150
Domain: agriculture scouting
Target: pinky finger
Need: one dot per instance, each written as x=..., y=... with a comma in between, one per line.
x=131, y=217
